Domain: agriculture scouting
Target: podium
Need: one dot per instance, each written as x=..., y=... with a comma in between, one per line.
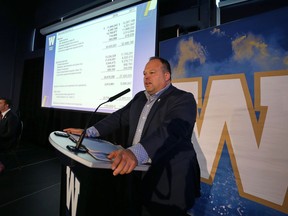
x=87, y=184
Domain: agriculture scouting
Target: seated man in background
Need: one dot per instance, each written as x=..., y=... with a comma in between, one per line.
x=9, y=126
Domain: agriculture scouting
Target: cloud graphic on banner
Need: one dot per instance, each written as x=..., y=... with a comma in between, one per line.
x=254, y=49
x=285, y=60
x=250, y=46
x=217, y=32
x=189, y=50
x=250, y=53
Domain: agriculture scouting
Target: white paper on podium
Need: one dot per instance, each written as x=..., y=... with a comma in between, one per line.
x=99, y=148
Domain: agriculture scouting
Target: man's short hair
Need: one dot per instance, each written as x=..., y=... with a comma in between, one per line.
x=166, y=64
x=7, y=101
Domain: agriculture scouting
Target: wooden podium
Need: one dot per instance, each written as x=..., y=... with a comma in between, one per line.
x=87, y=184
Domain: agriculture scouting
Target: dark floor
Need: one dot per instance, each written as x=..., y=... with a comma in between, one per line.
x=30, y=185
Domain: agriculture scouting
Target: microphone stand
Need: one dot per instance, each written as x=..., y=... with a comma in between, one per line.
x=81, y=148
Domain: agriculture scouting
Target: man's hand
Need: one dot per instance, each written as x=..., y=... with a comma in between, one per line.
x=76, y=131
x=124, y=161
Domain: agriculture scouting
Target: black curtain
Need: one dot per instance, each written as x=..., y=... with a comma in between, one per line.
x=40, y=122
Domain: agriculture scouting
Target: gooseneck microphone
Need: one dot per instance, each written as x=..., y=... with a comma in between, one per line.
x=79, y=147
x=118, y=95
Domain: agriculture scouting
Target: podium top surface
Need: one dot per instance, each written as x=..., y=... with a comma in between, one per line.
x=61, y=143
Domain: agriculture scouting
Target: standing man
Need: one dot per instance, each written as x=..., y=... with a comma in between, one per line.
x=9, y=125
x=161, y=121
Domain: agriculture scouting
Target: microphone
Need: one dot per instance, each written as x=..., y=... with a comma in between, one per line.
x=118, y=95
x=79, y=147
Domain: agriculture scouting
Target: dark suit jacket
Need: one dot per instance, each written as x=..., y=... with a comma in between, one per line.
x=9, y=127
x=174, y=176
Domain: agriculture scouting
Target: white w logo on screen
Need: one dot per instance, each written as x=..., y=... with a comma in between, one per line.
x=51, y=40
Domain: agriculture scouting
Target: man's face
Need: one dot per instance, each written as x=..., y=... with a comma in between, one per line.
x=155, y=78
x=3, y=106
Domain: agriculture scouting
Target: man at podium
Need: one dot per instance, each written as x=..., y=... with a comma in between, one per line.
x=161, y=121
